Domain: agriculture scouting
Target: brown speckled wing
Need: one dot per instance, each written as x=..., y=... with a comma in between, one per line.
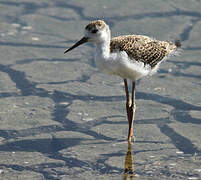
x=140, y=48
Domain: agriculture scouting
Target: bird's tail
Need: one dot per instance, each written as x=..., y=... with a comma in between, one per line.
x=174, y=46
x=177, y=43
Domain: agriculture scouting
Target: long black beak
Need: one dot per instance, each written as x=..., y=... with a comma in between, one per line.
x=81, y=41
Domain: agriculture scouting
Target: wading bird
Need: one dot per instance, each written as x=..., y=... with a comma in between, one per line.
x=128, y=56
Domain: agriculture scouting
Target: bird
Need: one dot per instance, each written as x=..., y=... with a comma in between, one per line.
x=129, y=56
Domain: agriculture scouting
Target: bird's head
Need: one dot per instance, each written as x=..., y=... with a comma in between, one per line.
x=96, y=32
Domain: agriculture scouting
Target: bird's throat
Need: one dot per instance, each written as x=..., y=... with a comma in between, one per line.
x=103, y=49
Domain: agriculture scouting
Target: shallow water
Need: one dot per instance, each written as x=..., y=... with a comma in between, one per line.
x=60, y=118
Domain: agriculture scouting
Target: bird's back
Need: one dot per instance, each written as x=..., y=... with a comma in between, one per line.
x=142, y=48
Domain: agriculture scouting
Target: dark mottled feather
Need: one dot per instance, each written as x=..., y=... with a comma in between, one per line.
x=142, y=48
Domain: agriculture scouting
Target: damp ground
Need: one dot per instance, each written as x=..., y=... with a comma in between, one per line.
x=61, y=119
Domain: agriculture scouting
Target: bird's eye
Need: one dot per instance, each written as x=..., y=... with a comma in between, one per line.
x=94, y=31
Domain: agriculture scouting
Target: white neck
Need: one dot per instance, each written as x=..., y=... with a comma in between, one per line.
x=103, y=49
x=103, y=44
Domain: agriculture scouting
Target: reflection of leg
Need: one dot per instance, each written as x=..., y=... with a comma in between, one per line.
x=129, y=166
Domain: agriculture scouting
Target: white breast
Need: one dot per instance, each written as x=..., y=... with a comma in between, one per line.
x=118, y=63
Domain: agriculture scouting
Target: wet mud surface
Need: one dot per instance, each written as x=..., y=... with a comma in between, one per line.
x=60, y=118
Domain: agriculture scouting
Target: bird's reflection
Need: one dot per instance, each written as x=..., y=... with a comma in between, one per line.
x=129, y=165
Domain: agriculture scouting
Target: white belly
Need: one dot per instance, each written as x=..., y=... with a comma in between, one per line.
x=119, y=64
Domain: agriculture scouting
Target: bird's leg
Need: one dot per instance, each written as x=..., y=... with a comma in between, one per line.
x=127, y=99
x=132, y=108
